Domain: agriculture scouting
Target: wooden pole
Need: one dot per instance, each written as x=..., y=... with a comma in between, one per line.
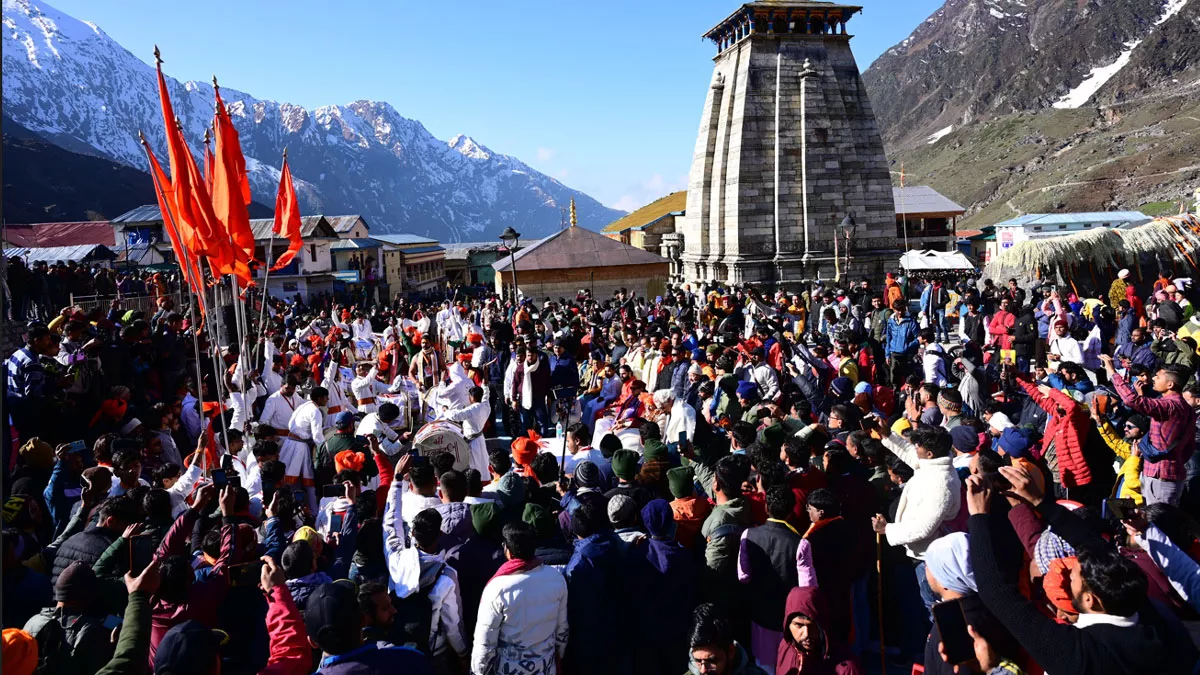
x=879, y=586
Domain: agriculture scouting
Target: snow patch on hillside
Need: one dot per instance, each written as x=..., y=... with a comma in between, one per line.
x=940, y=134
x=1093, y=81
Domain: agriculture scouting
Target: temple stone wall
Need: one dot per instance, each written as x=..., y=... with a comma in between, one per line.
x=729, y=226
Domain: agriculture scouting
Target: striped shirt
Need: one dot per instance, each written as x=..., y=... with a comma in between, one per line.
x=26, y=376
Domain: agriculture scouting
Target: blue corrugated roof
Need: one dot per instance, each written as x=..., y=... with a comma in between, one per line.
x=1113, y=217
x=422, y=249
x=351, y=244
x=403, y=239
x=142, y=214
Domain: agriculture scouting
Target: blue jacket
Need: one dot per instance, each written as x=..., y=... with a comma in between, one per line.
x=900, y=337
x=60, y=494
x=377, y=657
x=1125, y=326
x=595, y=604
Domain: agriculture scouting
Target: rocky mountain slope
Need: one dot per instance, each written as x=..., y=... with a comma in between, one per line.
x=1016, y=106
x=71, y=84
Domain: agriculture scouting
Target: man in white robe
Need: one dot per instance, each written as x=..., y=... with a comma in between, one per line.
x=307, y=432
x=385, y=424
x=366, y=387
x=474, y=416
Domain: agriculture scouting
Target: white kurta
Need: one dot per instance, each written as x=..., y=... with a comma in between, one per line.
x=474, y=417
x=277, y=411
x=307, y=426
x=367, y=387
x=681, y=419
x=389, y=438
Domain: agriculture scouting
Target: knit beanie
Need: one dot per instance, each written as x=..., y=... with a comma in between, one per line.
x=774, y=436
x=483, y=517
x=588, y=475
x=654, y=450
x=76, y=585
x=964, y=439
x=620, y=509
x=539, y=518
x=681, y=480
x=951, y=400
x=625, y=464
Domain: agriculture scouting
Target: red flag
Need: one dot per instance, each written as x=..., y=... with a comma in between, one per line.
x=230, y=185
x=199, y=229
x=287, y=216
x=166, y=204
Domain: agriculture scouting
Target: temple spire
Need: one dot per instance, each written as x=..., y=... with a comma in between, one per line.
x=574, y=220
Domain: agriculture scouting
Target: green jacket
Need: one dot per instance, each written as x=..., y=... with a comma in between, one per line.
x=720, y=554
x=133, y=648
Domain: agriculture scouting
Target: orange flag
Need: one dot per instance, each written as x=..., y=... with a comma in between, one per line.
x=166, y=204
x=199, y=229
x=287, y=215
x=230, y=185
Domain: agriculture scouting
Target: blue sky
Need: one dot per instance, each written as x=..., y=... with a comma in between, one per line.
x=605, y=96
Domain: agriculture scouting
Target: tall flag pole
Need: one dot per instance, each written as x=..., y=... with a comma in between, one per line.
x=903, y=210
x=187, y=263
x=209, y=160
x=270, y=251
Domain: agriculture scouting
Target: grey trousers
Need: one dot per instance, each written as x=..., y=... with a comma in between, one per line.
x=1159, y=491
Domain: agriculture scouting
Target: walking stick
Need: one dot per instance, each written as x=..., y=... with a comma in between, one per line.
x=879, y=586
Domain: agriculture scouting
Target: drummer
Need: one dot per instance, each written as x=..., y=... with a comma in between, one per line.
x=366, y=386
x=474, y=417
x=385, y=424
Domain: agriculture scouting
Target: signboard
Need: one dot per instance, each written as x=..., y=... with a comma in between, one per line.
x=1006, y=238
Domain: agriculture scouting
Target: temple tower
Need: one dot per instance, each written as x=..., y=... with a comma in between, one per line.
x=784, y=66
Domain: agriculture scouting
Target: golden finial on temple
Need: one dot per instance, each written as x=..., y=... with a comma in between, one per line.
x=574, y=220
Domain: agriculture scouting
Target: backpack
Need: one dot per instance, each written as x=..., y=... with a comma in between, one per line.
x=56, y=643
x=414, y=617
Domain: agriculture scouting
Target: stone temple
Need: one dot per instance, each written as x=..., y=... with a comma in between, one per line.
x=787, y=131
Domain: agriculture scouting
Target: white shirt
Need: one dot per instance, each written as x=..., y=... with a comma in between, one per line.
x=522, y=623
x=307, y=423
x=934, y=364
x=682, y=418
x=371, y=425
x=361, y=330
x=1067, y=349
x=278, y=410
x=272, y=381
x=367, y=386
x=766, y=379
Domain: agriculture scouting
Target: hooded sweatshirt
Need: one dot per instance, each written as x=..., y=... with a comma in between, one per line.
x=827, y=657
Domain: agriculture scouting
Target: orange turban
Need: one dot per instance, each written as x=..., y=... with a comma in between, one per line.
x=297, y=360
x=525, y=449
x=385, y=362
x=464, y=358
x=1057, y=583
x=110, y=407
x=211, y=407
x=20, y=652
x=348, y=459
x=474, y=338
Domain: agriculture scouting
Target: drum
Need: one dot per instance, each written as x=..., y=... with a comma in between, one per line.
x=364, y=350
x=443, y=435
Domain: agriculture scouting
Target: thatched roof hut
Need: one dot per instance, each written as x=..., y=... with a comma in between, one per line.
x=1096, y=255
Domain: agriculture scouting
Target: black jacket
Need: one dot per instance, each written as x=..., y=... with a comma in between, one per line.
x=87, y=546
x=1025, y=335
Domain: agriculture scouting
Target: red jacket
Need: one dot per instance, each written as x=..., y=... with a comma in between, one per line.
x=290, y=652
x=1068, y=432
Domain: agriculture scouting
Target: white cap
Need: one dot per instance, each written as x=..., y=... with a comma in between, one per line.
x=130, y=426
x=1000, y=422
x=1123, y=274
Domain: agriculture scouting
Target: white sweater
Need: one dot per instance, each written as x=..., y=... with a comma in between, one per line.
x=522, y=623
x=930, y=498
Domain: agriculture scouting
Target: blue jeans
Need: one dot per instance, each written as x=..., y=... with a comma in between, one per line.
x=938, y=320
x=927, y=596
x=537, y=418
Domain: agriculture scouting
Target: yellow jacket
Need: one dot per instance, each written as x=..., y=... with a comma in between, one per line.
x=1129, y=477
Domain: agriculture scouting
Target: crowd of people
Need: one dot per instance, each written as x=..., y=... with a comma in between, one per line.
x=970, y=477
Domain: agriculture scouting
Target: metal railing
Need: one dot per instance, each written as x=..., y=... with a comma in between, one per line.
x=144, y=303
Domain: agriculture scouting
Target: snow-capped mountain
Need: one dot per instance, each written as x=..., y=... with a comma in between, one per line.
x=73, y=85
x=1028, y=106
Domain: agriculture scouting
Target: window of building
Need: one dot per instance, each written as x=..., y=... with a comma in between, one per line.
x=312, y=251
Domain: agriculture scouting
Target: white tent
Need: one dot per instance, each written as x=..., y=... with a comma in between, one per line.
x=935, y=261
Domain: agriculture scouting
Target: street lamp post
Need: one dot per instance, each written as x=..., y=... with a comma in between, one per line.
x=842, y=230
x=511, y=238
